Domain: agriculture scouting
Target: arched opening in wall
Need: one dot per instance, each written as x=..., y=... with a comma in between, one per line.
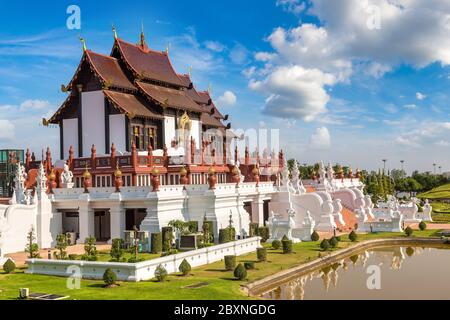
x=102, y=225
x=266, y=210
x=134, y=217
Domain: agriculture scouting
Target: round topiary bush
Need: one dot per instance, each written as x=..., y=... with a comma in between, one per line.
x=287, y=246
x=409, y=231
x=325, y=245
x=230, y=263
x=185, y=267
x=334, y=242
x=249, y=265
x=160, y=273
x=109, y=277
x=261, y=254
x=422, y=226
x=276, y=244
x=9, y=266
x=353, y=236
x=315, y=236
x=240, y=272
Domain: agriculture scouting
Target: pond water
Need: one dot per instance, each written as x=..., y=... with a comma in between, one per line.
x=404, y=273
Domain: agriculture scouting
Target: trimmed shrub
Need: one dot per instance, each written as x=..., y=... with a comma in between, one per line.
x=156, y=243
x=9, y=266
x=73, y=257
x=249, y=265
x=135, y=260
x=287, y=246
x=208, y=231
x=339, y=238
x=261, y=253
x=185, y=267
x=192, y=226
x=264, y=233
x=254, y=229
x=167, y=237
x=409, y=231
x=240, y=272
x=353, y=236
x=276, y=244
x=333, y=242
x=160, y=273
x=230, y=262
x=325, y=245
x=422, y=226
x=227, y=235
x=109, y=277
x=117, y=250
x=90, y=250
x=315, y=236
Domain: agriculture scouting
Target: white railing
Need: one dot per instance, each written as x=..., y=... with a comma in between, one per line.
x=142, y=271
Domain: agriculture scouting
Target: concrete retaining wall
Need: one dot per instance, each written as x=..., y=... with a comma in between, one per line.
x=144, y=270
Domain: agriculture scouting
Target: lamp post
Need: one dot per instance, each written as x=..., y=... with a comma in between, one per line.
x=434, y=168
x=440, y=169
x=403, y=166
x=384, y=165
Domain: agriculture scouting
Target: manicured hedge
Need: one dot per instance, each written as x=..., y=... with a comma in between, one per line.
x=276, y=244
x=264, y=233
x=287, y=246
x=261, y=254
x=156, y=243
x=227, y=235
x=109, y=277
x=167, y=235
x=249, y=265
x=240, y=272
x=254, y=229
x=230, y=263
x=315, y=236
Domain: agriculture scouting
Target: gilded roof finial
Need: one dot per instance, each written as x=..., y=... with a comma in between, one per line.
x=84, y=43
x=167, y=48
x=142, y=40
x=190, y=71
x=114, y=31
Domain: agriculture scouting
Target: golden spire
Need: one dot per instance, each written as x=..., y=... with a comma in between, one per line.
x=190, y=71
x=84, y=43
x=114, y=31
x=142, y=41
x=167, y=48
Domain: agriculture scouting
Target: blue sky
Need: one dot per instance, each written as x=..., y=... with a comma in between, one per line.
x=344, y=81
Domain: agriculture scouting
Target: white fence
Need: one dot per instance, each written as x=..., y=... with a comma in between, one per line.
x=144, y=270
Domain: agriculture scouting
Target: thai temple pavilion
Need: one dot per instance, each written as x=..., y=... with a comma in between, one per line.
x=131, y=110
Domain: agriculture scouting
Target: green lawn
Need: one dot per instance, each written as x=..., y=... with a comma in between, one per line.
x=441, y=212
x=442, y=192
x=104, y=256
x=221, y=284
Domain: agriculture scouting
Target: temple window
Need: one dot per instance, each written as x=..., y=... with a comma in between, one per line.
x=138, y=137
x=151, y=137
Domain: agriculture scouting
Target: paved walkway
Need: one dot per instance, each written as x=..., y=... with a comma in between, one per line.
x=21, y=257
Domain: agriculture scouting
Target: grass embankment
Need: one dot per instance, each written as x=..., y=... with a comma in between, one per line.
x=442, y=192
x=220, y=283
x=441, y=212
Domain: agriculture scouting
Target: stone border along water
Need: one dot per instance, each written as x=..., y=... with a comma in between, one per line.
x=258, y=287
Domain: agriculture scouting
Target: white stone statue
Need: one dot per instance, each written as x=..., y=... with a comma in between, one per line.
x=285, y=175
x=67, y=178
x=278, y=227
x=19, y=184
x=41, y=180
x=295, y=181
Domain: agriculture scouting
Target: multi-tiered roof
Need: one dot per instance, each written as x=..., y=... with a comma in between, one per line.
x=138, y=81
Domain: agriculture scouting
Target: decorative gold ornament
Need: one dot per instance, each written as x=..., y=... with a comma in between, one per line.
x=183, y=172
x=86, y=174
x=118, y=173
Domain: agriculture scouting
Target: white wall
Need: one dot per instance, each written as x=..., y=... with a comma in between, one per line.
x=70, y=136
x=196, y=132
x=93, y=109
x=169, y=128
x=144, y=271
x=117, y=131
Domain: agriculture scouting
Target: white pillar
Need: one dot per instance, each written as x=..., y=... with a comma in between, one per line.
x=86, y=221
x=117, y=214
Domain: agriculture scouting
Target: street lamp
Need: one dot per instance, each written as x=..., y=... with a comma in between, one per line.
x=434, y=168
x=384, y=165
x=403, y=167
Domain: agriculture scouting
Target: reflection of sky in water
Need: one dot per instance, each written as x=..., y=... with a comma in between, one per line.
x=406, y=273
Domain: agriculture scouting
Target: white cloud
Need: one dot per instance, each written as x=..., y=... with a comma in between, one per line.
x=413, y=32
x=294, y=6
x=34, y=105
x=249, y=72
x=410, y=106
x=214, y=46
x=320, y=139
x=239, y=54
x=7, y=130
x=295, y=92
x=228, y=99
x=420, y=96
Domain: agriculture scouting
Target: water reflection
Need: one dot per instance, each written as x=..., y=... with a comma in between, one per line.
x=406, y=273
